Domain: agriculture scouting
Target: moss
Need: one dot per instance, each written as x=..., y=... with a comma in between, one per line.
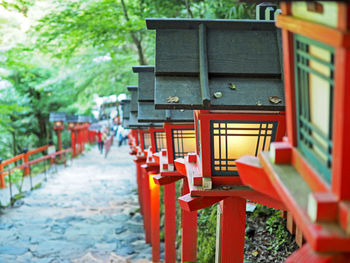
x=178, y=222
x=162, y=214
x=206, y=235
x=206, y=243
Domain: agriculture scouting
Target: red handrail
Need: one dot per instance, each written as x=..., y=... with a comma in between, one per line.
x=26, y=163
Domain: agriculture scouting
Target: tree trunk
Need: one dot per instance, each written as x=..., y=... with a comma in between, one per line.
x=14, y=143
x=188, y=7
x=135, y=39
x=42, y=129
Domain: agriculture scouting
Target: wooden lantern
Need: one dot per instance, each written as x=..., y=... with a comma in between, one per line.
x=229, y=72
x=234, y=84
x=58, y=118
x=177, y=140
x=310, y=169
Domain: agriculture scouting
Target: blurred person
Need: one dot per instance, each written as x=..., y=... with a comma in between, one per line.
x=99, y=141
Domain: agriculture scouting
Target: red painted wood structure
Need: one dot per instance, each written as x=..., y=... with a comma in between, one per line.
x=150, y=138
x=79, y=127
x=178, y=140
x=310, y=170
x=239, y=108
x=58, y=119
x=26, y=162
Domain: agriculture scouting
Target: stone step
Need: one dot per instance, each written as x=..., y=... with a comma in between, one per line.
x=112, y=258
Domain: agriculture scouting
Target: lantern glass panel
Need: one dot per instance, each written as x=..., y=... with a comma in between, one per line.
x=314, y=71
x=230, y=140
x=184, y=142
x=139, y=137
x=58, y=123
x=199, y=137
x=160, y=141
x=146, y=140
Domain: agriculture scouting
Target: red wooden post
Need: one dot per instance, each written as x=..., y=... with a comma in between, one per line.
x=341, y=113
x=82, y=139
x=233, y=230
x=26, y=160
x=155, y=218
x=170, y=222
x=139, y=185
x=146, y=206
x=189, y=231
x=2, y=177
x=59, y=141
x=73, y=142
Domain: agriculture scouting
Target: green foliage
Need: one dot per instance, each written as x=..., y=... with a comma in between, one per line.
x=16, y=179
x=21, y=6
x=76, y=49
x=207, y=234
x=276, y=226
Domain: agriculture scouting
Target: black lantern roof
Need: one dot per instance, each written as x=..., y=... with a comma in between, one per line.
x=217, y=64
x=146, y=108
x=135, y=124
x=146, y=83
x=125, y=104
x=133, y=116
x=57, y=116
x=72, y=118
x=147, y=112
x=134, y=97
x=83, y=118
x=125, y=123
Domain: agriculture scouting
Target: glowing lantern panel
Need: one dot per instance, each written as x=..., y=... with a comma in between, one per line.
x=160, y=141
x=146, y=140
x=184, y=142
x=234, y=139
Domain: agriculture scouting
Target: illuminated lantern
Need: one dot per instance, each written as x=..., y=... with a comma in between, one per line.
x=84, y=122
x=229, y=72
x=72, y=124
x=58, y=118
x=133, y=135
x=177, y=140
x=310, y=169
x=82, y=130
x=145, y=165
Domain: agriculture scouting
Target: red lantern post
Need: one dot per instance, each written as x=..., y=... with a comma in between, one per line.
x=310, y=170
x=59, y=127
x=234, y=113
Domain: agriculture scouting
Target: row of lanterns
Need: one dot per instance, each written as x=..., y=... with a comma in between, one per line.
x=240, y=110
x=79, y=125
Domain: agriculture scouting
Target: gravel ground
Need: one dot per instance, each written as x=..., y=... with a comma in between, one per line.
x=267, y=238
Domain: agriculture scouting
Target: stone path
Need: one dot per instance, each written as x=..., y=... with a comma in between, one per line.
x=85, y=213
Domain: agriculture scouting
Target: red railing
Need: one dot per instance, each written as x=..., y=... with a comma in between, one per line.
x=26, y=163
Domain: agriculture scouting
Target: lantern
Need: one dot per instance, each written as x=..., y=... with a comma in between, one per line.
x=229, y=72
x=239, y=100
x=72, y=120
x=72, y=125
x=149, y=134
x=58, y=118
x=310, y=170
x=176, y=140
